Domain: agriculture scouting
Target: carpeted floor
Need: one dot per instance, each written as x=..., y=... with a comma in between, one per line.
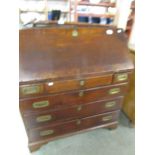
x=97, y=142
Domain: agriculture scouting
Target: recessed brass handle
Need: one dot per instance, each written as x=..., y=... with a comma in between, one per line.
x=122, y=77
x=43, y=118
x=82, y=83
x=107, y=118
x=78, y=122
x=46, y=132
x=28, y=90
x=79, y=108
x=40, y=104
x=81, y=93
x=110, y=104
x=114, y=91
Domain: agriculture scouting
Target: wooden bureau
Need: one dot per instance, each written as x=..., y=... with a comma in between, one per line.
x=73, y=78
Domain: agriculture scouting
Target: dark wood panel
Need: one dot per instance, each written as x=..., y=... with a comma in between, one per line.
x=55, y=52
x=81, y=111
x=71, y=126
x=73, y=98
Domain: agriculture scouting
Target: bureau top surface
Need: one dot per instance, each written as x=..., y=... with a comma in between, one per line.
x=71, y=51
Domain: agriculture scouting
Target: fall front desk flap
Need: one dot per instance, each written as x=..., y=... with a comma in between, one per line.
x=70, y=51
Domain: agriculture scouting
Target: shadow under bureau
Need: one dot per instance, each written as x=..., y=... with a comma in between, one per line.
x=73, y=78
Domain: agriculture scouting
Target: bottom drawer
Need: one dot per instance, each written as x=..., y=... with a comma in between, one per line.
x=52, y=131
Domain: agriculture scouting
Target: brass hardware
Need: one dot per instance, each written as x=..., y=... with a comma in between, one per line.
x=81, y=93
x=79, y=108
x=109, y=32
x=122, y=77
x=78, y=122
x=110, y=104
x=107, y=118
x=43, y=118
x=82, y=83
x=40, y=104
x=46, y=132
x=114, y=91
x=50, y=83
x=28, y=90
x=75, y=33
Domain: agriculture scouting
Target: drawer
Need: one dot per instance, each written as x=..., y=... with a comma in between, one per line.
x=66, y=85
x=80, y=111
x=53, y=87
x=63, y=100
x=71, y=126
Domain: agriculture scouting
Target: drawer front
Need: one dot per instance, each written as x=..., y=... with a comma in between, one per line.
x=71, y=126
x=74, y=112
x=67, y=85
x=53, y=87
x=70, y=99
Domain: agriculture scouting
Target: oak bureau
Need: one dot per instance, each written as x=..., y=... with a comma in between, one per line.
x=73, y=78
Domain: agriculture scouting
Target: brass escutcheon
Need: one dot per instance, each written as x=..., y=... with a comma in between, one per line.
x=82, y=83
x=81, y=93
x=110, y=104
x=75, y=33
x=79, y=108
x=78, y=122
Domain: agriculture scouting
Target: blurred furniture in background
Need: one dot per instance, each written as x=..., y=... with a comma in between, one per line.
x=41, y=10
x=54, y=15
x=131, y=19
x=111, y=12
x=95, y=10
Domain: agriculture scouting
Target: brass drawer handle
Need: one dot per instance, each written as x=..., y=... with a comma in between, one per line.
x=40, y=104
x=79, y=108
x=122, y=77
x=28, y=90
x=82, y=83
x=43, y=118
x=110, y=104
x=78, y=122
x=107, y=118
x=46, y=132
x=114, y=91
x=81, y=93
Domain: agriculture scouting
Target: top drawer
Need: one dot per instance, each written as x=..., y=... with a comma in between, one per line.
x=60, y=86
